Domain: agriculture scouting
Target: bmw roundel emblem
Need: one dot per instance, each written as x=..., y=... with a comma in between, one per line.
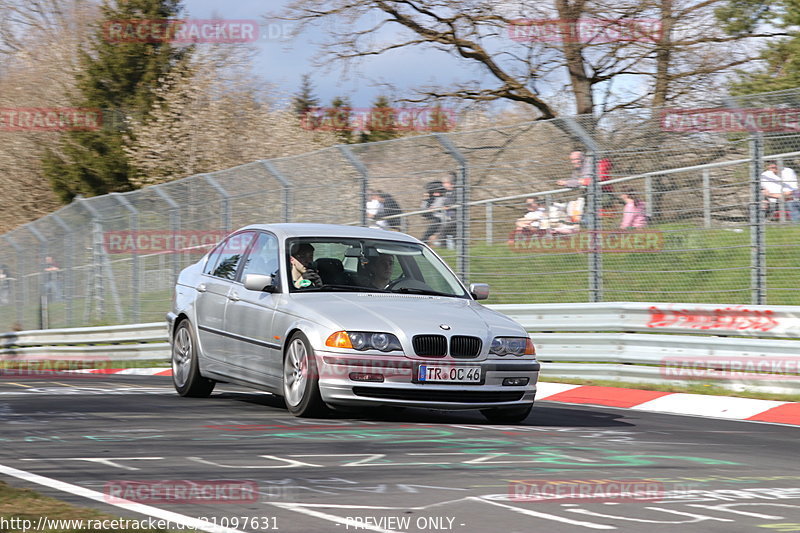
x=444, y=327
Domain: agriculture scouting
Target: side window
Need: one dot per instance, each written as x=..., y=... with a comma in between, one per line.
x=230, y=254
x=263, y=257
x=213, y=259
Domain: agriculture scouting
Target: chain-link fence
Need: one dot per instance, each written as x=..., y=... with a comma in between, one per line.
x=537, y=210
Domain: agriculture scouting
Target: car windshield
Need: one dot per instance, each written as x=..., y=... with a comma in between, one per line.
x=367, y=265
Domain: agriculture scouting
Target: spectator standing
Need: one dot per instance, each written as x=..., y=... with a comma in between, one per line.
x=5, y=284
x=776, y=185
x=581, y=176
x=375, y=210
x=391, y=209
x=52, y=272
x=434, y=200
x=450, y=224
x=634, y=214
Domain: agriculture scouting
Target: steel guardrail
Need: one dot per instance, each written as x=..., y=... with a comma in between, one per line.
x=732, y=346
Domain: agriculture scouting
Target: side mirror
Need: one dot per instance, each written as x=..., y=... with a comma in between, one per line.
x=259, y=282
x=479, y=291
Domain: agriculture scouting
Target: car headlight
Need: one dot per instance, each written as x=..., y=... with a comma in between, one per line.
x=364, y=340
x=512, y=346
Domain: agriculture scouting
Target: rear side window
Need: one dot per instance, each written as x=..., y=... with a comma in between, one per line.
x=225, y=259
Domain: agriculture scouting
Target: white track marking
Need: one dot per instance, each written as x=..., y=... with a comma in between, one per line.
x=128, y=505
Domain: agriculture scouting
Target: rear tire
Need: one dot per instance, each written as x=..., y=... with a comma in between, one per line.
x=507, y=415
x=301, y=379
x=185, y=367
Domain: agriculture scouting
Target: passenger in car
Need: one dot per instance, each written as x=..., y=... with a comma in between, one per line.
x=302, y=255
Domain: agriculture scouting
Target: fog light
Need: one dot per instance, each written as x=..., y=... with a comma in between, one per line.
x=364, y=376
x=514, y=382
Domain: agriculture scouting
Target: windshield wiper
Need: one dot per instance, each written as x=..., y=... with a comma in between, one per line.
x=429, y=292
x=348, y=288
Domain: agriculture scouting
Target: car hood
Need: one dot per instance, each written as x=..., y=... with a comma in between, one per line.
x=404, y=315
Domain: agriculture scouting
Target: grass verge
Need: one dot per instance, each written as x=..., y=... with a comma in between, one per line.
x=20, y=505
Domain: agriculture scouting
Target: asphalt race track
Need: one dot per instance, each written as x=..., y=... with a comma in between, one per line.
x=411, y=470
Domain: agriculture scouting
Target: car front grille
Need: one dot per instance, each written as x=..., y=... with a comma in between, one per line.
x=430, y=345
x=438, y=395
x=463, y=346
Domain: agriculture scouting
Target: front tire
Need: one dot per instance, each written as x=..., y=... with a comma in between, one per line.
x=507, y=415
x=185, y=367
x=301, y=379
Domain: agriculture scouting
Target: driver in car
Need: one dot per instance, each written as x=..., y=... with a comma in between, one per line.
x=379, y=271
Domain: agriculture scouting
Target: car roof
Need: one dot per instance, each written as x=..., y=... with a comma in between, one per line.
x=300, y=229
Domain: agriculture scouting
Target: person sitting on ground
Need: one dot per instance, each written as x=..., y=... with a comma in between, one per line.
x=303, y=275
x=536, y=217
x=634, y=214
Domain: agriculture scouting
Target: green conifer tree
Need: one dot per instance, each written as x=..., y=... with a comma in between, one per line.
x=117, y=75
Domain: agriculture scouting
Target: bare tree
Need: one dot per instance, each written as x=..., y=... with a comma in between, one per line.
x=607, y=54
x=216, y=116
x=39, y=41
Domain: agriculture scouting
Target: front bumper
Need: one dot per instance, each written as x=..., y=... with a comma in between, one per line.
x=399, y=387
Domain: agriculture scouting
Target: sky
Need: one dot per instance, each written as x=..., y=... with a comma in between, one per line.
x=283, y=62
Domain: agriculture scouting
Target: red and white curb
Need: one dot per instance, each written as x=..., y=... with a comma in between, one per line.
x=677, y=403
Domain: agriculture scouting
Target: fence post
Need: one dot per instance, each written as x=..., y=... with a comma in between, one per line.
x=69, y=269
x=648, y=196
x=592, y=214
x=462, y=202
x=100, y=267
x=706, y=198
x=285, y=184
x=20, y=296
x=226, y=201
x=174, y=226
x=489, y=223
x=44, y=310
x=135, y=305
x=757, y=217
x=364, y=173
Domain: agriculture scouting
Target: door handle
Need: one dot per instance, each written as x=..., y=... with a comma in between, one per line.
x=201, y=287
x=234, y=297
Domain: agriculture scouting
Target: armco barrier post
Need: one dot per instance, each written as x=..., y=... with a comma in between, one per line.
x=136, y=294
x=462, y=202
x=69, y=267
x=286, y=185
x=174, y=227
x=364, y=173
x=757, y=218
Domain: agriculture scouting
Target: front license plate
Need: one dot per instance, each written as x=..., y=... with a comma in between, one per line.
x=449, y=374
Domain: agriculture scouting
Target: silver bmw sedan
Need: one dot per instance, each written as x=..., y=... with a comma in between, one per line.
x=326, y=316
